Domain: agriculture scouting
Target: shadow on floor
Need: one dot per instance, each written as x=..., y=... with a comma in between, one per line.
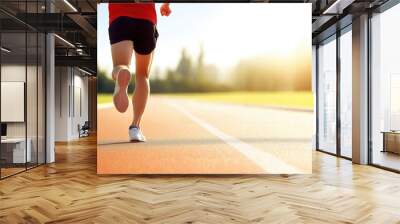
x=210, y=141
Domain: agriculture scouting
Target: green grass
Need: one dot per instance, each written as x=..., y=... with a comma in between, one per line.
x=301, y=100
x=104, y=98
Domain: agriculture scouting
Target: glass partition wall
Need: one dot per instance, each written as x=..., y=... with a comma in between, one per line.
x=327, y=95
x=334, y=106
x=345, y=61
x=13, y=90
x=385, y=89
x=22, y=88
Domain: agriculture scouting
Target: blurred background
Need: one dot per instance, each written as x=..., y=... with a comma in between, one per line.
x=235, y=53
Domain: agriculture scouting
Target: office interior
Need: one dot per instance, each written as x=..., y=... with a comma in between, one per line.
x=355, y=67
x=48, y=79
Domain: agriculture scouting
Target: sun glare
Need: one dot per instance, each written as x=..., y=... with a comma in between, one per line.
x=229, y=33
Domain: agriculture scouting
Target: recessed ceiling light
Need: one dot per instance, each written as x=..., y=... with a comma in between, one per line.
x=70, y=5
x=5, y=50
x=65, y=41
x=338, y=6
x=84, y=71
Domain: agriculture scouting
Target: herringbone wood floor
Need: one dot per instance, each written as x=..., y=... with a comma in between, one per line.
x=69, y=191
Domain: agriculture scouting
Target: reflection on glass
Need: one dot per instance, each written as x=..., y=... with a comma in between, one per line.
x=327, y=96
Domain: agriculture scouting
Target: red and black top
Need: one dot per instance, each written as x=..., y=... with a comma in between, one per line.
x=145, y=11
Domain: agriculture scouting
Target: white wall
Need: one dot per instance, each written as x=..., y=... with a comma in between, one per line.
x=80, y=96
x=70, y=84
x=62, y=80
x=14, y=73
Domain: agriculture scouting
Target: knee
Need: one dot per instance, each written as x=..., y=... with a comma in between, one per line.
x=118, y=68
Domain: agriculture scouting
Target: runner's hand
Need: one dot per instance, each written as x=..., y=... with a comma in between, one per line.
x=165, y=10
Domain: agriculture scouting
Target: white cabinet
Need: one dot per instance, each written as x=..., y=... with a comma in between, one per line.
x=19, y=155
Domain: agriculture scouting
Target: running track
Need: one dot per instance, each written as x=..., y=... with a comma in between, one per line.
x=190, y=137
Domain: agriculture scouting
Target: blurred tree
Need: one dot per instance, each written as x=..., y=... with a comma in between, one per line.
x=271, y=74
x=251, y=74
x=104, y=83
x=200, y=70
x=184, y=67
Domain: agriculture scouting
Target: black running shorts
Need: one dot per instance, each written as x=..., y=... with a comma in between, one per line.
x=142, y=32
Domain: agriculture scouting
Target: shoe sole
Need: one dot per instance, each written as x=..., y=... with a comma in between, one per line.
x=137, y=140
x=120, y=98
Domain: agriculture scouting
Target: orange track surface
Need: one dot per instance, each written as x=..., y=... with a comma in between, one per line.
x=175, y=145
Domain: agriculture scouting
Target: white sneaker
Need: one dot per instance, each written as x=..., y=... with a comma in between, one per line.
x=122, y=77
x=135, y=135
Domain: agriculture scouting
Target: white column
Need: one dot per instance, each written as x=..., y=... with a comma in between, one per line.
x=50, y=109
x=360, y=90
x=50, y=93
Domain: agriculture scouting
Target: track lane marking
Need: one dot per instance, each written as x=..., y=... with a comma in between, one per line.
x=270, y=163
x=104, y=106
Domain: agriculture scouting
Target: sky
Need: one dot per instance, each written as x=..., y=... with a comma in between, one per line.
x=228, y=32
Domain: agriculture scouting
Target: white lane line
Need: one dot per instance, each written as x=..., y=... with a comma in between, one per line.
x=270, y=163
x=105, y=105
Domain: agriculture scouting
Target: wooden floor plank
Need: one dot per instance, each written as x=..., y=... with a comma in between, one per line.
x=70, y=191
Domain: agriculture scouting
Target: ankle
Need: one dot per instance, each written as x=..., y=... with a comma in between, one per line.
x=134, y=126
